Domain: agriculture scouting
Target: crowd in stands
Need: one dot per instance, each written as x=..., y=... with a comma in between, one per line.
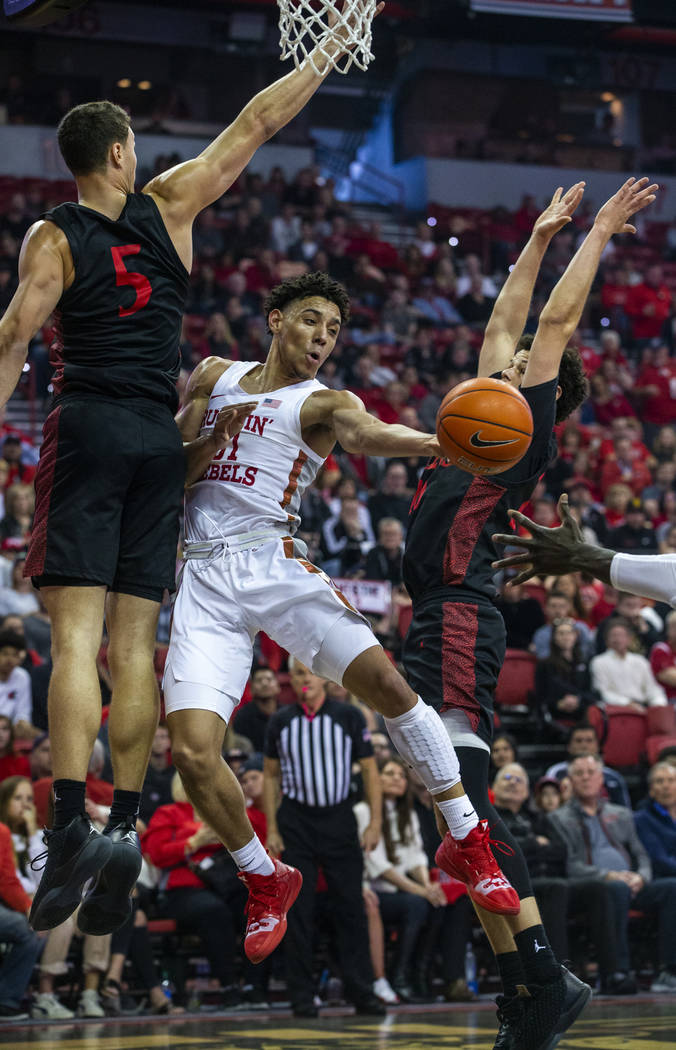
x=418, y=310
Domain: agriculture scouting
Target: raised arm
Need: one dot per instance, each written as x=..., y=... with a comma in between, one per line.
x=337, y=415
x=510, y=312
x=561, y=315
x=41, y=284
x=189, y=187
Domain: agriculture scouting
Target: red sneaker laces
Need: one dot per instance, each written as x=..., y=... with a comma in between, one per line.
x=260, y=896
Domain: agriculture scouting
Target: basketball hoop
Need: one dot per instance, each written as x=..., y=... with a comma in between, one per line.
x=308, y=32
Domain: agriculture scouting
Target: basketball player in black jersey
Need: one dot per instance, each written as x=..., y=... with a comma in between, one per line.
x=109, y=486
x=456, y=643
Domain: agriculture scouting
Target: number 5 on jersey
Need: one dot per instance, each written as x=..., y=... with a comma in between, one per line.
x=137, y=281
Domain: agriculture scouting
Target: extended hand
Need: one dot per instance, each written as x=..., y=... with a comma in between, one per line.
x=343, y=31
x=548, y=551
x=628, y=200
x=370, y=838
x=230, y=421
x=559, y=212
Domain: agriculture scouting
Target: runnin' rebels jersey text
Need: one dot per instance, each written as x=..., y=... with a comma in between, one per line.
x=118, y=325
x=453, y=514
x=258, y=480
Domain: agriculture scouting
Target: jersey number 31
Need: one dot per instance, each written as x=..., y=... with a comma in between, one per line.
x=137, y=281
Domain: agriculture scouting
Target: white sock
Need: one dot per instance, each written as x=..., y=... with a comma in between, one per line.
x=459, y=814
x=421, y=739
x=253, y=858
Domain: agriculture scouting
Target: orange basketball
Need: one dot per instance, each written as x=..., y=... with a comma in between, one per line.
x=484, y=426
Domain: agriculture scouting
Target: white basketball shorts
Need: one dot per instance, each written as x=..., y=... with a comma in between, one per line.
x=224, y=599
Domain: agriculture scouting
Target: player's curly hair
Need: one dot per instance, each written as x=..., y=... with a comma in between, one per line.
x=572, y=379
x=573, y=383
x=306, y=286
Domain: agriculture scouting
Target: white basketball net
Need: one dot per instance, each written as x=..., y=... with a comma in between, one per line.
x=305, y=33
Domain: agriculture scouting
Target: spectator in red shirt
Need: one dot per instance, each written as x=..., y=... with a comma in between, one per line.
x=178, y=841
x=12, y=453
x=616, y=499
x=11, y=764
x=18, y=962
x=663, y=659
x=606, y=404
x=623, y=465
x=649, y=305
x=656, y=386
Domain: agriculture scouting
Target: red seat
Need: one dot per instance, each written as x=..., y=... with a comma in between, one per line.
x=655, y=744
x=161, y=926
x=627, y=733
x=662, y=720
x=516, y=682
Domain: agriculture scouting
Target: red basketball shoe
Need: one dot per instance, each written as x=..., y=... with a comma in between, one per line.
x=270, y=897
x=471, y=861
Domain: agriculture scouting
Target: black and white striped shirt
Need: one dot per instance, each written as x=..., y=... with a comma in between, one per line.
x=316, y=752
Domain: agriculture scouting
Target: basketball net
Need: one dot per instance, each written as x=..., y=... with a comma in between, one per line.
x=307, y=35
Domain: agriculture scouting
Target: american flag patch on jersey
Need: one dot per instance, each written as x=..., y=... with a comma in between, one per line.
x=270, y=402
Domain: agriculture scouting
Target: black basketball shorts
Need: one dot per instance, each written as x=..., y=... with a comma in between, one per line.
x=452, y=654
x=109, y=489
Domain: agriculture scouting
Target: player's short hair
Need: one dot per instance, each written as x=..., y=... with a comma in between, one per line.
x=305, y=287
x=87, y=132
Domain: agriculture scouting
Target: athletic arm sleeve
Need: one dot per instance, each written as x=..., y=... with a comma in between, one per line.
x=649, y=575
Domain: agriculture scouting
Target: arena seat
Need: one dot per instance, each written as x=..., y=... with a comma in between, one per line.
x=516, y=685
x=662, y=721
x=657, y=743
x=627, y=734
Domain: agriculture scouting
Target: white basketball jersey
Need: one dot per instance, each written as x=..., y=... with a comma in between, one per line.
x=258, y=480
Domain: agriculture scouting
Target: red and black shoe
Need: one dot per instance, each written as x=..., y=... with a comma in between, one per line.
x=270, y=897
x=470, y=860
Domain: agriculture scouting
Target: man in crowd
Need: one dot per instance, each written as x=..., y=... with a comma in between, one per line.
x=602, y=843
x=392, y=498
x=156, y=790
x=629, y=609
x=584, y=741
x=656, y=819
x=558, y=606
x=383, y=562
x=252, y=719
x=623, y=678
x=558, y=896
x=315, y=827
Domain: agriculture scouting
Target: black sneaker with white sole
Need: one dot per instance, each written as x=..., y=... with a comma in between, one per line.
x=74, y=855
x=107, y=905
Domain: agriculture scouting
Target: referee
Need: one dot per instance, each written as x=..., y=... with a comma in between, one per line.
x=310, y=748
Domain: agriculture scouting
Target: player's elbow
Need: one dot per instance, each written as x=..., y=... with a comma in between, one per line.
x=557, y=321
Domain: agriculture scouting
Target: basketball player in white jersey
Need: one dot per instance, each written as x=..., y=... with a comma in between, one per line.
x=244, y=573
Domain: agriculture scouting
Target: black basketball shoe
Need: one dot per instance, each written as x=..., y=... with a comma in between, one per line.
x=74, y=855
x=510, y=1012
x=551, y=1010
x=107, y=905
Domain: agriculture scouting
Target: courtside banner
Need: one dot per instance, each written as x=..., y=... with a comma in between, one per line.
x=600, y=10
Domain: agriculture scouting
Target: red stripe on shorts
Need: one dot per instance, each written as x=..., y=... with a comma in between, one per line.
x=44, y=484
x=459, y=628
x=473, y=513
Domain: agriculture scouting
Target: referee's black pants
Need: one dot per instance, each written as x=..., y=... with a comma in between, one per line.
x=326, y=837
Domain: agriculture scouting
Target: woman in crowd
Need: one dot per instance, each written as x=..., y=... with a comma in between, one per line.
x=11, y=764
x=503, y=750
x=177, y=841
x=397, y=871
x=17, y=811
x=19, y=511
x=562, y=681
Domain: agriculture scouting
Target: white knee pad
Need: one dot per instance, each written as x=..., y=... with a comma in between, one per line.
x=421, y=740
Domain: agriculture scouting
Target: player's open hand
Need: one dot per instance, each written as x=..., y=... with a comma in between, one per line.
x=560, y=211
x=631, y=198
x=547, y=551
x=230, y=421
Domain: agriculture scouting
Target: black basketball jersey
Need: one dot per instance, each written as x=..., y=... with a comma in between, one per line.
x=453, y=514
x=118, y=325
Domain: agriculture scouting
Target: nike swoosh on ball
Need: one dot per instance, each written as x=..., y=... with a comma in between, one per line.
x=479, y=442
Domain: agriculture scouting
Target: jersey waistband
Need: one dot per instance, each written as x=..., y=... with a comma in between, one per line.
x=241, y=541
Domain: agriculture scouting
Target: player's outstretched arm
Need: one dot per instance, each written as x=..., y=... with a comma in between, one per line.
x=563, y=311
x=41, y=284
x=555, y=552
x=337, y=415
x=192, y=186
x=510, y=312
